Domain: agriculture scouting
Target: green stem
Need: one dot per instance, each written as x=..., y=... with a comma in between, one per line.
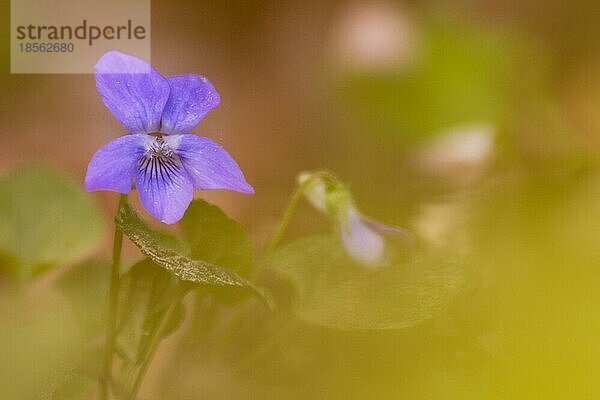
x=156, y=339
x=113, y=301
x=278, y=234
x=285, y=220
x=293, y=203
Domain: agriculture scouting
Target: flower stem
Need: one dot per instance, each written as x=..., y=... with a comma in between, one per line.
x=283, y=224
x=285, y=220
x=156, y=339
x=113, y=301
x=292, y=204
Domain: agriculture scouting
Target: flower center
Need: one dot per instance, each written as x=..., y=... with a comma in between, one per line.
x=160, y=149
x=160, y=159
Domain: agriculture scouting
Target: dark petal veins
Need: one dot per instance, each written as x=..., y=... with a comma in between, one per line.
x=163, y=184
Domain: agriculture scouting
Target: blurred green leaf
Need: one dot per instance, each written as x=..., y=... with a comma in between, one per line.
x=216, y=238
x=86, y=286
x=147, y=291
x=334, y=291
x=184, y=268
x=46, y=220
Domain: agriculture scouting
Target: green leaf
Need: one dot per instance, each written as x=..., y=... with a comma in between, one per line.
x=46, y=220
x=172, y=242
x=333, y=291
x=86, y=286
x=185, y=268
x=216, y=238
x=147, y=291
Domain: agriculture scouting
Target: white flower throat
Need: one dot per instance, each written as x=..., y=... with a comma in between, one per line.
x=160, y=159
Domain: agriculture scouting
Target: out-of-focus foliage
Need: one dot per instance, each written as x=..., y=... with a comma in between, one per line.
x=85, y=287
x=147, y=293
x=336, y=292
x=46, y=220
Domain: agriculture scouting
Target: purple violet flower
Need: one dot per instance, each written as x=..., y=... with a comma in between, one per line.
x=160, y=156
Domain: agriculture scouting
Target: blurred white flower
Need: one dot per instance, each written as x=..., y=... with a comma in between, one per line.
x=462, y=154
x=362, y=243
x=373, y=36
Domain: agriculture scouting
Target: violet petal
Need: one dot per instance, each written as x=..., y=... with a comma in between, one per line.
x=133, y=91
x=209, y=166
x=190, y=98
x=114, y=165
x=164, y=188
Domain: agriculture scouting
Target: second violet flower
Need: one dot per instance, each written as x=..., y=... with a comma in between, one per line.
x=365, y=240
x=159, y=156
